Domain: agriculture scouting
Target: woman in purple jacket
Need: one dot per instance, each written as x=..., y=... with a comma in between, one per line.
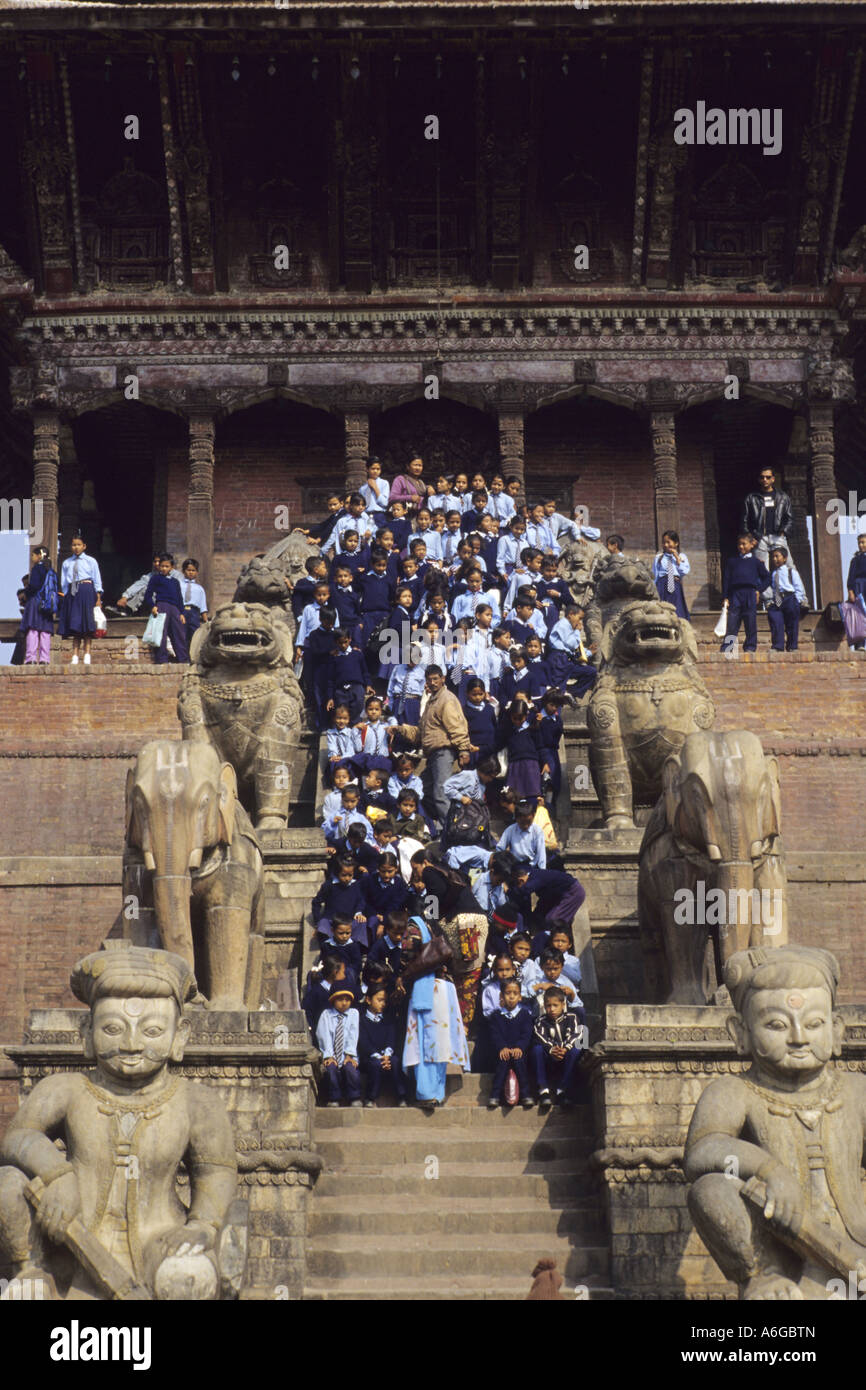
x=409, y=487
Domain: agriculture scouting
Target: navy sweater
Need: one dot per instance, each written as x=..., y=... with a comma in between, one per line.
x=374, y=1037
x=382, y=897
x=510, y=1032
x=744, y=572
x=377, y=593
x=347, y=668
x=161, y=588
x=335, y=897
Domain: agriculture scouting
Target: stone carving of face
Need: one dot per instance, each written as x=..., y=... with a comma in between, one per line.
x=791, y=1032
x=133, y=1039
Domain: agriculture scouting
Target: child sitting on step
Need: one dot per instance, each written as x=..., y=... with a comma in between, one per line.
x=511, y=1036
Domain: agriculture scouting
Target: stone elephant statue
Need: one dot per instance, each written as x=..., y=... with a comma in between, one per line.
x=712, y=871
x=193, y=864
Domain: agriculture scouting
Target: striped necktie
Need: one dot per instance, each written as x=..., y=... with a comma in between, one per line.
x=189, y=591
x=777, y=592
x=338, y=1041
x=74, y=584
x=670, y=570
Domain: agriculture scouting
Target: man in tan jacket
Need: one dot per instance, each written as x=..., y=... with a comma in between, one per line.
x=442, y=733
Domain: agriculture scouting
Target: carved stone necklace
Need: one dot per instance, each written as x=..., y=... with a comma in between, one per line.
x=781, y=1103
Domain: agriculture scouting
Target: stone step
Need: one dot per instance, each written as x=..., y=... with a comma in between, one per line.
x=389, y=1215
x=462, y=1288
x=571, y=1123
x=497, y=1255
x=399, y=1146
x=512, y=1182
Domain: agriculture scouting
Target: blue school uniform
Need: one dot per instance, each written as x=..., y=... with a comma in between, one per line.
x=342, y=1076
x=302, y=595
x=405, y=689
x=335, y=898
x=512, y=682
x=549, y=733
x=396, y=785
x=380, y=898
x=354, y=560
x=400, y=623
x=318, y=654
x=32, y=619
x=347, y=680
x=347, y=603
x=482, y=731
x=783, y=599
x=163, y=592
x=374, y=750
x=500, y=506
x=559, y=894
x=375, y=494
x=857, y=574
x=377, y=1038
x=349, y=952
x=668, y=573
x=384, y=951
x=401, y=530
x=509, y=1028
x=743, y=575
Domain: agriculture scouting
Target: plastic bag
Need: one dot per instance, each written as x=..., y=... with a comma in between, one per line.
x=855, y=621
x=100, y=620
x=721, y=626
x=152, y=636
x=512, y=1088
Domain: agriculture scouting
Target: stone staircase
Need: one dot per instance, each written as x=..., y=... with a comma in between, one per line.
x=460, y=1204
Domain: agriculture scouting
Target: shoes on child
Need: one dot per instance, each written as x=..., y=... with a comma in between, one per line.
x=369, y=1105
x=544, y=1102
x=356, y=1104
x=527, y=1102
x=493, y=1103
x=87, y=658
x=74, y=661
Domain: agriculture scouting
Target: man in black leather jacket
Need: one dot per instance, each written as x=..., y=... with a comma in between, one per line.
x=768, y=516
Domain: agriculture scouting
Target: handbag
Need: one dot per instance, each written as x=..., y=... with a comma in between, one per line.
x=152, y=635
x=511, y=1090
x=100, y=620
x=721, y=626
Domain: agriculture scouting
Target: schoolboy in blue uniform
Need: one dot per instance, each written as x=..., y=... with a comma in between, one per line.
x=348, y=680
x=164, y=595
x=318, y=654
x=387, y=949
x=378, y=1054
x=319, y=981
x=559, y=894
x=745, y=577
x=400, y=525
x=856, y=581
x=340, y=945
x=341, y=895
x=337, y=1037
x=194, y=598
x=302, y=593
x=783, y=599
x=549, y=735
x=345, y=598
x=352, y=557
x=377, y=595
x=510, y=1032
x=312, y=615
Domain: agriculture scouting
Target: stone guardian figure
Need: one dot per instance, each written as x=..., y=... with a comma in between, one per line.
x=103, y=1220
x=774, y=1155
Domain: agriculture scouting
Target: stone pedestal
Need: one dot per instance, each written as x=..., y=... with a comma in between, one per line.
x=647, y=1074
x=261, y=1064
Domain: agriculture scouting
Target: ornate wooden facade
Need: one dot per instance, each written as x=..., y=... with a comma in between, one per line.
x=281, y=226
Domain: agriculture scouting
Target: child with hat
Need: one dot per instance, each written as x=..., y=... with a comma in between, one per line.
x=337, y=1036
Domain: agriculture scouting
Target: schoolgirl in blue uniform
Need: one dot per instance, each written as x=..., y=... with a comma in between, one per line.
x=345, y=599
x=384, y=891
x=669, y=567
x=401, y=526
x=400, y=623
x=377, y=596
x=37, y=626
x=80, y=590
x=483, y=734
x=549, y=728
x=521, y=741
x=318, y=649
x=375, y=748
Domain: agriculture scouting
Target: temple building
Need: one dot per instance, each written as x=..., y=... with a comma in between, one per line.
x=242, y=246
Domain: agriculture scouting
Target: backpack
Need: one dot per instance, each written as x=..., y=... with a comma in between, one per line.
x=466, y=825
x=47, y=596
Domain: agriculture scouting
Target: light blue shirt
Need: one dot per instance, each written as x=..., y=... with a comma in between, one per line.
x=433, y=541
x=488, y=896
x=536, y=622
x=665, y=564
x=85, y=567
x=406, y=682
x=375, y=741
x=331, y=805
x=311, y=618
x=533, y=975
x=508, y=553
x=193, y=593
x=376, y=494
x=540, y=535
x=326, y=1033
x=464, y=605
x=342, y=743
x=362, y=524
x=785, y=581
x=564, y=637
x=336, y=827
x=500, y=505
x=474, y=654
x=464, y=783
x=527, y=846
x=450, y=542
x=396, y=786
x=444, y=502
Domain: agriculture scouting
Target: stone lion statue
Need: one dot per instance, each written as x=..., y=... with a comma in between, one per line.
x=615, y=580
x=242, y=696
x=647, y=699
x=270, y=578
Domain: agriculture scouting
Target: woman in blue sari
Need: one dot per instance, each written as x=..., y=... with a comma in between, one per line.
x=435, y=1034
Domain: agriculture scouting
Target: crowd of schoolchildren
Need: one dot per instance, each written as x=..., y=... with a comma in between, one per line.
x=461, y=582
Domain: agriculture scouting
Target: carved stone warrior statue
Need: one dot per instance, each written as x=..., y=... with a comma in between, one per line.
x=774, y=1155
x=104, y=1220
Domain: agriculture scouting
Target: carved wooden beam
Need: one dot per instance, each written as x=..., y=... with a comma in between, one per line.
x=641, y=158
x=822, y=478
x=841, y=160
x=193, y=163
x=46, y=163
x=171, y=184
x=199, y=530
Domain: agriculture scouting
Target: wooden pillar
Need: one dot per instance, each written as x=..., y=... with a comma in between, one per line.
x=796, y=484
x=46, y=464
x=193, y=163
x=69, y=488
x=822, y=486
x=664, y=450
x=357, y=425
x=511, y=423
x=199, y=528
